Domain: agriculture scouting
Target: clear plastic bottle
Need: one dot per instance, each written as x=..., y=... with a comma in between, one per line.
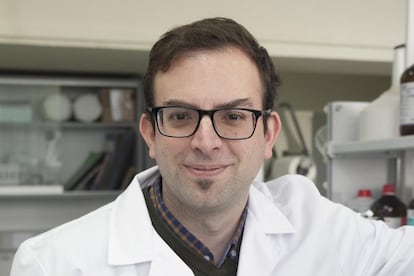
x=385, y=108
x=390, y=208
x=362, y=203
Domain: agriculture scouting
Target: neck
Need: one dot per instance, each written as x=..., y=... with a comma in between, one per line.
x=214, y=228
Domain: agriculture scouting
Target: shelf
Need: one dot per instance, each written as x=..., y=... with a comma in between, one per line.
x=76, y=81
x=23, y=190
x=51, y=191
x=81, y=125
x=385, y=148
x=288, y=57
x=24, y=213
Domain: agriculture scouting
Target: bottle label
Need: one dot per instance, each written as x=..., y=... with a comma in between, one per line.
x=394, y=222
x=410, y=217
x=407, y=104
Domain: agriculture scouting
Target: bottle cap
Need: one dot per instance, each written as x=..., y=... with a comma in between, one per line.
x=364, y=193
x=388, y=189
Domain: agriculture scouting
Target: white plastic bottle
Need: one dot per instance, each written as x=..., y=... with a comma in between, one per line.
x=362, y=203
x=385, y=108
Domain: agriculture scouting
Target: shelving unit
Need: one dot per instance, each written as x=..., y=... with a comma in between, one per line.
x=51, y=210
x=24, y=214
x=386, y=148
x=354, y=164
x=85, y=42
x=69, y=125
x=78, y=138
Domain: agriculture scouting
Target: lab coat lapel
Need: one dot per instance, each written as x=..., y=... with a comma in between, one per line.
x=131, y=236
x=166, y=262
x=133, y=240
x=260, y=250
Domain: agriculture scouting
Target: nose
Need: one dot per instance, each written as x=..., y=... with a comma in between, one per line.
x=205, y=138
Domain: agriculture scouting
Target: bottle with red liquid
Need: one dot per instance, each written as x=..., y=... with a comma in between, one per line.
x=390, y=208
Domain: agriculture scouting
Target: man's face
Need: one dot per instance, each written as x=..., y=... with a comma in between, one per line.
x=205, y=172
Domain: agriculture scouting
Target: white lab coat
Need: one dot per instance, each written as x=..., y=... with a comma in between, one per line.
x=290, y=230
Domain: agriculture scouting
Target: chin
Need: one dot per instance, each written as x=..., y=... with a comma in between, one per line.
x=205, y=184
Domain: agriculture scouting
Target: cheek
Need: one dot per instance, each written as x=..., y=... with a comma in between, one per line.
x=166, y=148
x=251, y=152
x=257, y=151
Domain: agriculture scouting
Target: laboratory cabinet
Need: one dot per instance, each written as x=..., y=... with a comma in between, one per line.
x=302, y=35
x=25, y=215
x=49, y=126
x=53, y=126
x=354, y=164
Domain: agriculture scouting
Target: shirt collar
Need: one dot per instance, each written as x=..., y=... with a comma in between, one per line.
x=233, y=247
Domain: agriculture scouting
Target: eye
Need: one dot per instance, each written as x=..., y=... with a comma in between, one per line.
x=234, y=115
x=179, y=116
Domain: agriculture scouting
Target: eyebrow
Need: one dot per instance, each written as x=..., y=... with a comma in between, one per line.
x=245, y=102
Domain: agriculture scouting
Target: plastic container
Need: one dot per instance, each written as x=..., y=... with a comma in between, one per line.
x=362, y=202
x=385, y=108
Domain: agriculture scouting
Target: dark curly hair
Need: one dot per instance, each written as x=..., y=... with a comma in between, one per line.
x=210, y=33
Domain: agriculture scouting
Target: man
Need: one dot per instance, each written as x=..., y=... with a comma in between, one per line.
x=209, y=124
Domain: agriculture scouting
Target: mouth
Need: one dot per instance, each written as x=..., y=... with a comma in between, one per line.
x=205, y=170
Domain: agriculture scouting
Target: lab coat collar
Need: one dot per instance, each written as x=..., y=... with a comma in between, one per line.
x=265, y=224
x=133, y=240
x=131, y=235
x=264, y=212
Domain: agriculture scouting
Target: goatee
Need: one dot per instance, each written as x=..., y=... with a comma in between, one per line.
x=204, y=184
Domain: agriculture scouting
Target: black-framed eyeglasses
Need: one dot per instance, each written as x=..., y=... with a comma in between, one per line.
x=228, y=123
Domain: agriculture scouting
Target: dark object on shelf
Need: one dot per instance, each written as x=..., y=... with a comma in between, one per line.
x=118, y=163
x=92, y=160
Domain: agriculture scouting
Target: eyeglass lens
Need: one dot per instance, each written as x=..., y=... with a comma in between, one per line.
x=228, y=123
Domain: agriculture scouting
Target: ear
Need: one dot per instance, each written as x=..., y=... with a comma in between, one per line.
x=147, y=131
x=273, y=129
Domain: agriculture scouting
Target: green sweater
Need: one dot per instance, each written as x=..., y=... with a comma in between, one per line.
x=195, y=261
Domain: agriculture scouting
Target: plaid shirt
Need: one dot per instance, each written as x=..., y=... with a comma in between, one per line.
x=233, y=247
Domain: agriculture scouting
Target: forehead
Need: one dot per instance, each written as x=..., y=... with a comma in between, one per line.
x=209, y=78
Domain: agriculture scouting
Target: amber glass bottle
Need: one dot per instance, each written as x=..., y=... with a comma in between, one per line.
x=390, y=208
x=407, y=102
x=407, y=78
